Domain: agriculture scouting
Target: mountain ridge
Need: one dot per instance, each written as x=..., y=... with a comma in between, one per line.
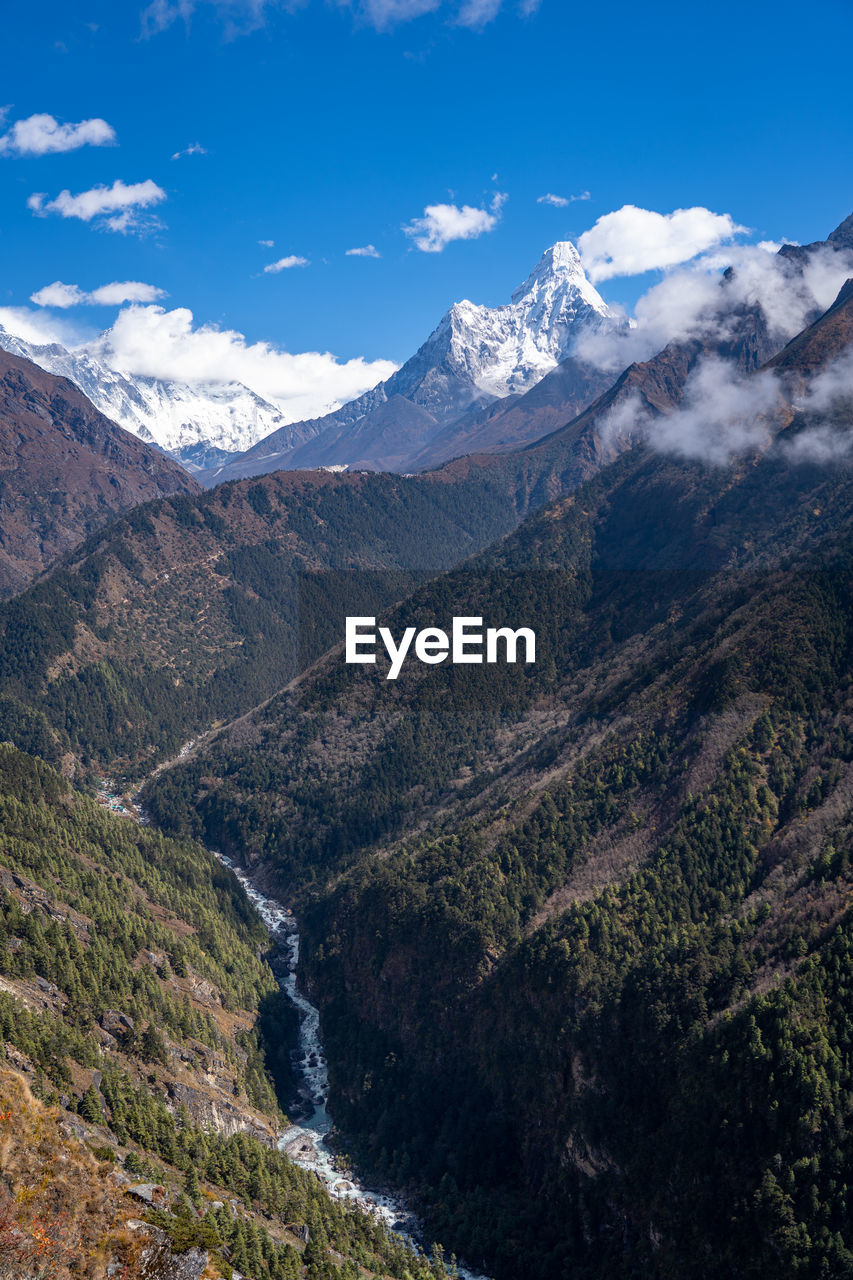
x=65, y=470
x=197, y=426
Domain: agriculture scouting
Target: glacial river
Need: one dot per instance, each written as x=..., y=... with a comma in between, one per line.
x=306, y=1143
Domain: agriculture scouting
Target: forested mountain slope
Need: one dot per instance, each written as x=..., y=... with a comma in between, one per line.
x=580, y=931
x=65, y=470
x=193, y=609
x=136, y=999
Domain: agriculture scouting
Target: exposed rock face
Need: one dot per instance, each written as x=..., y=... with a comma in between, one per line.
x=160, y=1263
x=65, y=470
x=213, y=1111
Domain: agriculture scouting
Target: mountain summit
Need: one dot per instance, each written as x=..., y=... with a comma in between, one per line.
x=475, y=356
x=478, y=354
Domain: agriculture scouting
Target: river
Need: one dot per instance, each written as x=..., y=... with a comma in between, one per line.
x=306, y=1143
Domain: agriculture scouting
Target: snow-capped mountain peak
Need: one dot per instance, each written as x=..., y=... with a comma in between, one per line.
x=560, y=266
x=200, y=425
x=499, y=351
x=476, y=354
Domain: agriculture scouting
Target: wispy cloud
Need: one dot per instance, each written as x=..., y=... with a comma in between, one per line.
x=106, y=295
x=826, y=406
x=383, y=14
x=194, y=149
x=722, y=414
x=267, y=244
x=695, y=302
x=443, y=223
x=115, y=208
x=42, y=135
x=476, y=13
x=285, y=264
x=366, y=251
x=43, y=327
x=561, y=202
x=632, y=240
x=242, y=16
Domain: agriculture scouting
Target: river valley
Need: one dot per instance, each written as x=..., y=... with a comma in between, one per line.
x=306, y=1142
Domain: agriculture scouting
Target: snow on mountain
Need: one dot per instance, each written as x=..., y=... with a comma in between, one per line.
x=475, y=356
x=200, y=425
x=478, y=354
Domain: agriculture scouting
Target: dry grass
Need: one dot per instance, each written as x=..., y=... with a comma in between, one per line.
x=62, y=1215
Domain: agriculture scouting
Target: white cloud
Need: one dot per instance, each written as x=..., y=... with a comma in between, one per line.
x=58, y=295
x=157, y=343
x=107, y=295
x=194, y=149
x=476, y=13
x=561, y=202
x=115, y=208
x=725, y=413
x=697, y=303
x=42, y=135
x=42, y=327
x=366, y=251
x=722, y=414
x=267, y=244
x=631, y=240
x=443, y=223
x=827, y=404
x=285, y=264
x=120, y=291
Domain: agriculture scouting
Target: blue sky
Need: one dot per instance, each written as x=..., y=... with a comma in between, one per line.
x=326, y=126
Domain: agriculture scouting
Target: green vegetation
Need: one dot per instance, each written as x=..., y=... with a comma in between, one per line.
x=581, y=934
x=147, y=960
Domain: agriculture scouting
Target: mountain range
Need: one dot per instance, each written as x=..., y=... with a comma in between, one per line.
x=431, y=407
x=476, y=358
x=200, y=425
x=579, y=930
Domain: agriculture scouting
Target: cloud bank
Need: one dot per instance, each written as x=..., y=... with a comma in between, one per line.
x=115, y=208
x=443, y=223
x=107, y=295
x=632, y=240
x=697, y=302
x=722, y=414
x=157, y=343
x=42, y=135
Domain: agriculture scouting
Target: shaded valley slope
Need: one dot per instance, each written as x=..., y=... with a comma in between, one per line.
x=65, y=470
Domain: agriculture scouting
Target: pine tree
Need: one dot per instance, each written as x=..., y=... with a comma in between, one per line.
x=90, y=1106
